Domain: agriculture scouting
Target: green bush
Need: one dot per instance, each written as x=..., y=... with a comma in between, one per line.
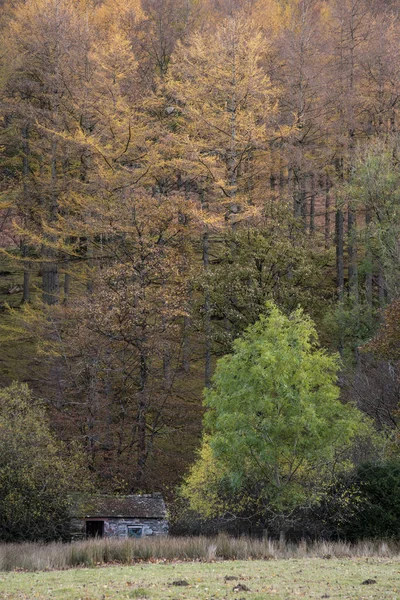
x=38, y=474
x=376, y=511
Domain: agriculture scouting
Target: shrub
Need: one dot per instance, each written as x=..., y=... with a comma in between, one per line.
x=37, y=474
x=376, y=511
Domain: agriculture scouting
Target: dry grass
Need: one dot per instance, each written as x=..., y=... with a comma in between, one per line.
x=39, y=557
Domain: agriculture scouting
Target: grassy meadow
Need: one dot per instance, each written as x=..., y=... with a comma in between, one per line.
x=199, y=569
x=240, y=580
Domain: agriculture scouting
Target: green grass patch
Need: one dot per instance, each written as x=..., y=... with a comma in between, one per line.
x=229, y=580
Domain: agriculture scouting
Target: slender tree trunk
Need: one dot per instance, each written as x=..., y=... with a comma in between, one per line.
x=368, y=276
x=352, y=254
x=327, y=213
x=303, y=200
x=232, y=174
x=296, y=195
x=187, y=326
x=290, y=186
x=187, y=321
x=89, y=262
x=339, y=253
x=67, y=284
x=299, y=196
x=26, y=296
x=392, y=125
x=381, y=287
x=141, y=423
x=26, y=289
x=167, y=370
x=312, y=204
x=93, y=409
x=207, y=316
x=283, y=181
x=50, y=277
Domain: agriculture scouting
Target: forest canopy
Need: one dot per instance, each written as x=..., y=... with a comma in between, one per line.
x=167, y=168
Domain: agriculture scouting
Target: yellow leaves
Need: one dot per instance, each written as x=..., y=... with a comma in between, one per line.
x=118, y=13
x=225, y=98
x=201, y=486
x=271, y=15
x=114, y=57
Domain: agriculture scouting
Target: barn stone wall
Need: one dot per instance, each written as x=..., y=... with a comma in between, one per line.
x=118, y=527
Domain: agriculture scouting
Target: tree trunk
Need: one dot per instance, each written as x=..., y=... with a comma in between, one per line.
x=187, y=326
x=312, y=204
x=24, y=247
x=67, y=283
x=207, y=318
x=339, y=253
x=352, y=254
x=369, y=273
x=327, y=213
x=50, y=277
x=141, y=423
x=26, y=290
x=381, y=288
x=296, y=195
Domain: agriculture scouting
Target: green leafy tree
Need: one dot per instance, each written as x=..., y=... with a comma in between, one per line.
x=37, y=475
x=275, y=425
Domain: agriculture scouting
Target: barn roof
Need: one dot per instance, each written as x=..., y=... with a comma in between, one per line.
x=144, y=506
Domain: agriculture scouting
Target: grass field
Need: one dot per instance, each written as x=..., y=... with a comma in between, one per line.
x=229, y=580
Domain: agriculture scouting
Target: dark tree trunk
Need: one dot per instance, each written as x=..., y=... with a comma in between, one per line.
x=26, y=290
x=187, y=326
x=50, y=276
x=352, y=254
x=339, y=253
x=26, y=295
x=369, y=273
x=141, y=423
x=381, y=288
x=67, y=284
x=312, y=204
x=327, y=213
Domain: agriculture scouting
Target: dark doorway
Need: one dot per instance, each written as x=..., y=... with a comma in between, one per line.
x=94, y=528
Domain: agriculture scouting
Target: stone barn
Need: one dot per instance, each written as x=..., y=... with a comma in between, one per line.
x=120, y=516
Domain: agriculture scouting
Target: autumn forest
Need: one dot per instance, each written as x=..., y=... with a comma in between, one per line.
x=170, y=168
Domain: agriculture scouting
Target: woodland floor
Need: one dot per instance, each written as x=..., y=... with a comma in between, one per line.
x=228, y=580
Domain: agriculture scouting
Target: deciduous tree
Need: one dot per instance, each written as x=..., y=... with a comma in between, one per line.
x=274, y=420
x=38, y=475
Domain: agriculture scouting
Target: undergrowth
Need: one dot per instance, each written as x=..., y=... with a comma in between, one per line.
x=90, y=553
